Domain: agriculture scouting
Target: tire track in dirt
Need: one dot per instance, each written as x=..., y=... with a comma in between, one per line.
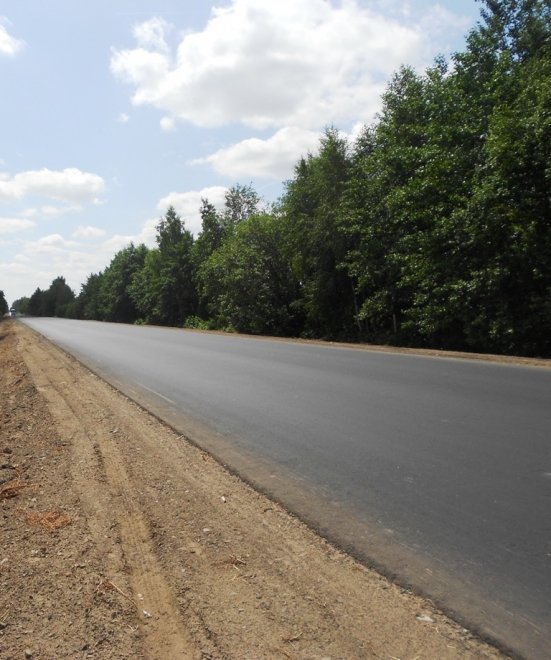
x=162, y=629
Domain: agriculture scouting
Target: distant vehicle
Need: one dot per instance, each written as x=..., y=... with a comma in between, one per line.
x=12, y=312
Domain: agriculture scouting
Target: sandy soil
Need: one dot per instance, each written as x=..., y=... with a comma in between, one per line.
x=119, y=539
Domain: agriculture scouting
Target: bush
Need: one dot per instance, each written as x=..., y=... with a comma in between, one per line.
x=196, y=323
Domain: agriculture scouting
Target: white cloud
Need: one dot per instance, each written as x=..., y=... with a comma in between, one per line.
x=273, y=158
x=151, y=34
x=123, y=118
x=88, y=232
x=9, y=45
x=69, y=185
x=143, y=68
x=188, y=204
x=14, y=225
x=276, y=63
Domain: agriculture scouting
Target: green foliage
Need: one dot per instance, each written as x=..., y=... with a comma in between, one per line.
x=145, y=288
x=241, y=202
x=212, y=233
x=21, y=305
x=55, y=301
x=174, y=279
x=249, y=281
x=116, y=302
x=310, y=207
x=448, y=204
x=385, y=208
x=197, y=323
x=89, y=304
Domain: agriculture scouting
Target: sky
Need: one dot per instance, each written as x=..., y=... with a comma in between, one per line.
x=112, y=110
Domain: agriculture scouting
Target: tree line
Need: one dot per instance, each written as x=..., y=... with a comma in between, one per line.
x=431, y=228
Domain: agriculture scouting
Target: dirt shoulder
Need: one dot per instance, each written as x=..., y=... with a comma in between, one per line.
x=119, y=539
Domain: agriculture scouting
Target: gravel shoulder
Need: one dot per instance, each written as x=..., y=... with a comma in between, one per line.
x=120, y=539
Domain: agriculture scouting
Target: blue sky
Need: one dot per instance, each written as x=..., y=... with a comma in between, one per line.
x=114, y=109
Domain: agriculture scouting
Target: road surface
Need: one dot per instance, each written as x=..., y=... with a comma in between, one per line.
x=436, y=470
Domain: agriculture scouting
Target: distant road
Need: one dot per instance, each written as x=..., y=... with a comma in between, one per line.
x=436, y=470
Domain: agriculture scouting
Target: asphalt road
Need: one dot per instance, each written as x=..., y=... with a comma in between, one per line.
x=437, y=471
